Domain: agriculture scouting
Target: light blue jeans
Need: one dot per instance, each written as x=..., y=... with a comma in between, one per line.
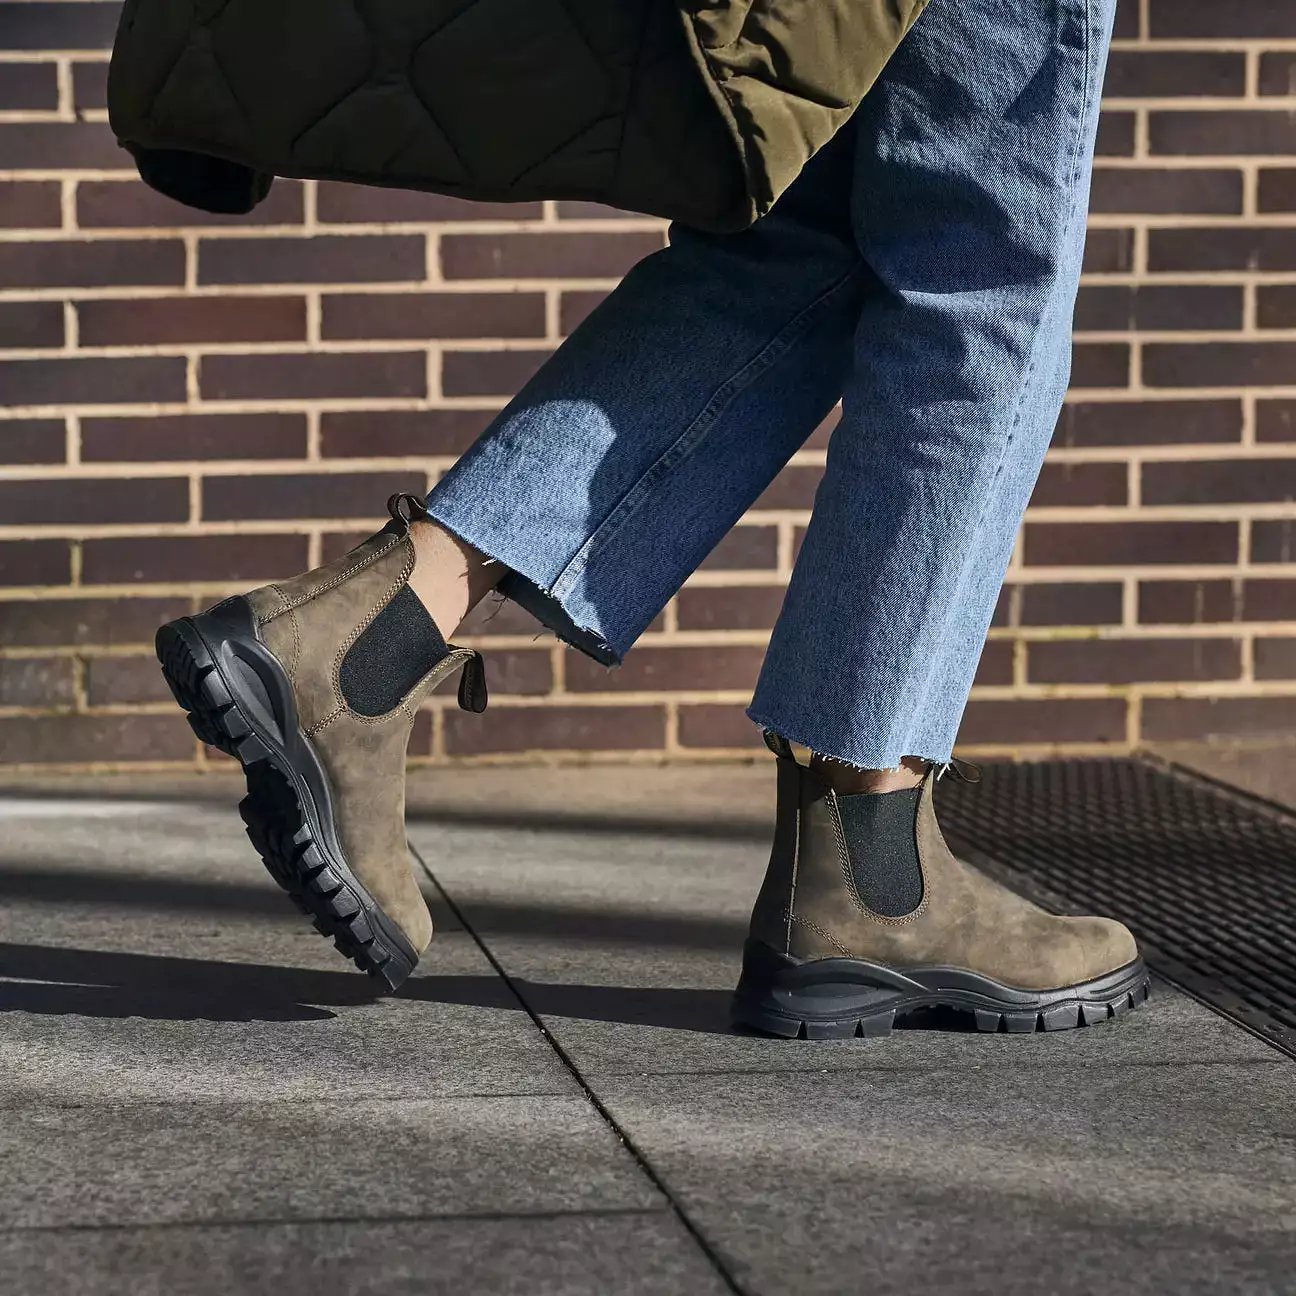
x=922, y=270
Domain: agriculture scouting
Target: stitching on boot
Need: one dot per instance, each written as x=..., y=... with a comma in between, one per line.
x=296, y=648
x=843, y=861
x=320, y=725
x=407, y=569
x=280, y=610
x=819, y=931
x=922, y=861
x=443, y=668
x=843, y=851
x=289, y=604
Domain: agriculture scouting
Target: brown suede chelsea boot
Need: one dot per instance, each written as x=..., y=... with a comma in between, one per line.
x=865, y=914
x=313, y=685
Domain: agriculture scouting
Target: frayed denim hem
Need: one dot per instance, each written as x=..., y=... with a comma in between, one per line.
x=551, y=614
x=883, y=761
x=532, y=597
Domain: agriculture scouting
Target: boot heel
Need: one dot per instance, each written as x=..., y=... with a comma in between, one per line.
x=816, y=999
x=191, y=675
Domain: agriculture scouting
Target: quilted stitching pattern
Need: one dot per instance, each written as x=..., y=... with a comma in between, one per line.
x=699, y=110
x=401, y=87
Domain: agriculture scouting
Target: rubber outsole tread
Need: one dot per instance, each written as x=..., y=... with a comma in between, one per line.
x=1064, y=1016
x=277, y=826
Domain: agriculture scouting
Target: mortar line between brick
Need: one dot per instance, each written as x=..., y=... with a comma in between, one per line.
x=66, y=98
x=671, y=740
x=1142, y=143
x=1207, y=44
x=314, y=316
x=1147, y=633
x=553, y=314
x=1220, y=104
x=1251, y=192
x=492, y=347
x=459, y=288
x=67, y=205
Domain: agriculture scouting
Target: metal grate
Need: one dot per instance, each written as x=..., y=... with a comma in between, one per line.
x=1204, y=876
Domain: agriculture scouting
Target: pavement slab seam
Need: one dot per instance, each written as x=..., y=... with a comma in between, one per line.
x=721, y=1269
x=261, y=1222
x=915, y=1072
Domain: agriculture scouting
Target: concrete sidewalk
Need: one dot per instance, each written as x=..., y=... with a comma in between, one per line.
x=199, y=1096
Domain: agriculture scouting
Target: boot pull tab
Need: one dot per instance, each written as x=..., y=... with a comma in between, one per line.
x=407, y=509
x=964, y=770
x=472, y=684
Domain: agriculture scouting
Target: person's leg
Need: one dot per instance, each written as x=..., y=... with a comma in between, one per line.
x=970, y=197
x=971, y=185
x=622, y=463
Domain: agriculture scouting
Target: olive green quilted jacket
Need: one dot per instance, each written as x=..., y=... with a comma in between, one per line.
x=698, y=110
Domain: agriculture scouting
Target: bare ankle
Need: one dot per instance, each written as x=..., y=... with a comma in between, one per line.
x=847, y=780
x=450, y=576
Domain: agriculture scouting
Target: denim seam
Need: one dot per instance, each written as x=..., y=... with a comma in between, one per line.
x=1073, y=167
x=691, y=437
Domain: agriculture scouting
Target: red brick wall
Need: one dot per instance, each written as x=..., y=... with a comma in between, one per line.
x=194, y=405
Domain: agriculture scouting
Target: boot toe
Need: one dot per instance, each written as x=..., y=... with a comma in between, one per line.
x=1106, y=945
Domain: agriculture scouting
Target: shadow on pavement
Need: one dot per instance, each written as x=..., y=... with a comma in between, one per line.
x=673, y=1008
x=96, y=983
x=139, y=891
x=177, y=894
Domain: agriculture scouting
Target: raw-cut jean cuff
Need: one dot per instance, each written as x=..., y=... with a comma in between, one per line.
x=528, y=592
x=861, y=757
x=551, y=614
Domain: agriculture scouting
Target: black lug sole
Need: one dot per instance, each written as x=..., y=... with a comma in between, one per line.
x=840, y=998
x=239, y=700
